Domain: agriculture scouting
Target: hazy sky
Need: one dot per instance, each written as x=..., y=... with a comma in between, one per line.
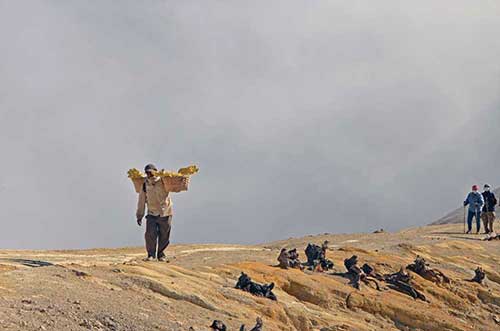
x=304, y=116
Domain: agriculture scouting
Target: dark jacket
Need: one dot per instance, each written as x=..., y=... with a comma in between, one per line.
x=489, y=201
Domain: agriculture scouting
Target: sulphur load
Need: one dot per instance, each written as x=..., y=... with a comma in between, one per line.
x=165, y=173
x=177, y=181
x=135, y=173
x=172, y=181
x=137, y=177
x=188, y=171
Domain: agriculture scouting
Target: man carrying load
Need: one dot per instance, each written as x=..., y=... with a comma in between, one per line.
x=159, y=216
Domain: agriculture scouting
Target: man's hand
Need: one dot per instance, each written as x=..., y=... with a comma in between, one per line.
x=139, y=221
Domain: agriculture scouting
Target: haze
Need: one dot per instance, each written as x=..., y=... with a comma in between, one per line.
x=304, y=116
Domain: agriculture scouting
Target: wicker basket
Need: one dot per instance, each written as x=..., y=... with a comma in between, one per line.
x=138, y=184
x=175, y=184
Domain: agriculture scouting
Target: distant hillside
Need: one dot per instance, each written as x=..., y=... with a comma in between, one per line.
x=457, y=216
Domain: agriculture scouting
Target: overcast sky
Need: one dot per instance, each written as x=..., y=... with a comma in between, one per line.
x=304, y=116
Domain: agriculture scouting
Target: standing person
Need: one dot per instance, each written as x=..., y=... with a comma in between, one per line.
x=475, y=202
x=488, y=214
x=159, y=216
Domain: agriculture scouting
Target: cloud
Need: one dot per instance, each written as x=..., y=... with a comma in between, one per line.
x=304, y=116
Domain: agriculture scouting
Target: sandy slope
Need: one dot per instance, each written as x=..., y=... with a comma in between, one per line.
x=106, y=289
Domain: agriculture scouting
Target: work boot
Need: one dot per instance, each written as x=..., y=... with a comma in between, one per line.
x=162, y=257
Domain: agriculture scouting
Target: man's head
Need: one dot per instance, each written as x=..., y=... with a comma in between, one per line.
x=150, y=170
x=475, y=188
x=487, y=187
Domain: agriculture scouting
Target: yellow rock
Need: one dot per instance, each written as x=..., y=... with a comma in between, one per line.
x=188, y=171
x=135, y=174
x=165, y=173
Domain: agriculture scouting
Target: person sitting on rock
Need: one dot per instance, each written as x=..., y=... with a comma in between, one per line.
x=420, y=267
x=246, y=284
x=356, y=274
x=316, y=257
x=283, y=259
x=289, y=259
x=401, y=282
x=480, y=275
x=294, y=260
x=370, y=271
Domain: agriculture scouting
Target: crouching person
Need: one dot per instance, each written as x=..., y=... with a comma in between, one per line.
x=159, y=215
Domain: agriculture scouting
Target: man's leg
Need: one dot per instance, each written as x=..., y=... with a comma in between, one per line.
x=151, y=235
x=485, y=218
x=492, y=218
x=165, y=226
x=470, y=216
x=478, y=221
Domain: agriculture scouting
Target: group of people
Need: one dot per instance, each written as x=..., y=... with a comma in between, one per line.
x=481, y=206
x=156, y=199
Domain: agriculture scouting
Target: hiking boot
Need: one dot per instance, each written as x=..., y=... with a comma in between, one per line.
x=149, y=259
x=162, y=258
x=468, y=232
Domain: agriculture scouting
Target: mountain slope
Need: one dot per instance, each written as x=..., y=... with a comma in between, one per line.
x=116, y=290
x=457, y=216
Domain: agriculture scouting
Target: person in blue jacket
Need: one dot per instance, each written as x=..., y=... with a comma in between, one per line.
x=475, y=201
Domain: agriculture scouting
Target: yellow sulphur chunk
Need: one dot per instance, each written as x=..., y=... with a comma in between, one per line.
x=135, y=173
x=166, y=173
x=188, y=171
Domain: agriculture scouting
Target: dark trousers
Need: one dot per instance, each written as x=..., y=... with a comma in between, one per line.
x=477, y=215
x=157, y=234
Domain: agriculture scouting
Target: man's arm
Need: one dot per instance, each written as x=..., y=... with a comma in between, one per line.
x=480, y=203
x=466, y=202
x=141, y=207
x=494, y=199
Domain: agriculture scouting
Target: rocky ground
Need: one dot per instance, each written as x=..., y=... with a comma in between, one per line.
x=106, y=289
